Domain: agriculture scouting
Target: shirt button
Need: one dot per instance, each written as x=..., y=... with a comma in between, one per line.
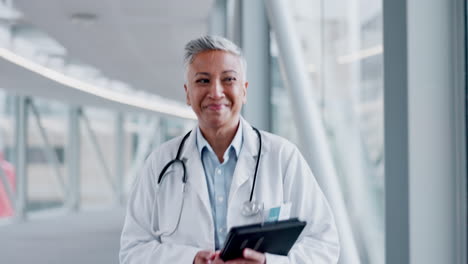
x=220, y=199
x=221, y=230
x=218, y=171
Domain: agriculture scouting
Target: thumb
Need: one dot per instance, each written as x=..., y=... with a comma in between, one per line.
x=253, y=255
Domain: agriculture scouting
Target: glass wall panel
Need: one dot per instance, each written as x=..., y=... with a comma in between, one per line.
x=282, y=117
x=342, y=48
x=98, y=177
x=145, y=133
x=47, y=133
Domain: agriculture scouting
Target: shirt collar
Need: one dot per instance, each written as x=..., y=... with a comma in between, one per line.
x=236, y=142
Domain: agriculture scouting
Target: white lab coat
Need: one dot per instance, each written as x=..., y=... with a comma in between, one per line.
x=283, y=176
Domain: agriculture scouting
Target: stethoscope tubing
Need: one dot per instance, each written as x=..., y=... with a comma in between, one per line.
x=177, y=159
x=258, y=162
x=184, y=177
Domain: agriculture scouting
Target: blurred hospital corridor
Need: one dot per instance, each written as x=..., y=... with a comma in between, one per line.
x=77, y=238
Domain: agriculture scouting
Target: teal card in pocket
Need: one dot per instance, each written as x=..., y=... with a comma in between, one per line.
x=273, y=215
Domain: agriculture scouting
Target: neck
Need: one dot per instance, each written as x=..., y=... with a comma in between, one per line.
x=219, y=138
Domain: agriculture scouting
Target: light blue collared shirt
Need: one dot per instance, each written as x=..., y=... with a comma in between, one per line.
x=219, y=178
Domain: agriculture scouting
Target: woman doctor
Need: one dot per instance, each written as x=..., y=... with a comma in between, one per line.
x=223, y=173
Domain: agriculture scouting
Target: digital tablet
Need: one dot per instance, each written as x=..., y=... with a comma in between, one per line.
x=271, y=237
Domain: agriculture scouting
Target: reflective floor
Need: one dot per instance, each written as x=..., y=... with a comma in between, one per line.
x=85, y=237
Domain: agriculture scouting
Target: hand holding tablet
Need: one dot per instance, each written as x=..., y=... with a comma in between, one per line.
x=275, y=238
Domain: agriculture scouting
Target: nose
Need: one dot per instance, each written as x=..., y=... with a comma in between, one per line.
x=216, y=90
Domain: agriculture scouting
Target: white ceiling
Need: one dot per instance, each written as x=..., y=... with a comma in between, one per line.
x=138, y=42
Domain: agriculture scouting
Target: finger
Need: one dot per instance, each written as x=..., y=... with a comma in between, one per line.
x=241, y=261
x=218, y=260
x=213, y=256
x=253, y=255
x=206, y=255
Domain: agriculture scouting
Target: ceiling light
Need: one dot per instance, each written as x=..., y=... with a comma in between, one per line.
x=361, y=54
x=83, y=18
x=143, y=102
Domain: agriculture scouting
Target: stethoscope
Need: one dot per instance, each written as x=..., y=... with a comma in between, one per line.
x=250, y=207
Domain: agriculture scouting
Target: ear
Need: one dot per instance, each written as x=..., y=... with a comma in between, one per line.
x=187, y=98
x=244, y=99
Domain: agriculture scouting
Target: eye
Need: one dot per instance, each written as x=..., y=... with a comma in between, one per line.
x=230, y=79
x=202, y=81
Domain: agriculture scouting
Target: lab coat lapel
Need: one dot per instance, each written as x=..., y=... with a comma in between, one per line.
x=196, y=180
x=245, y=166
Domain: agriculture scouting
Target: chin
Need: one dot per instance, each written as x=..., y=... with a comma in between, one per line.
x=216, y=122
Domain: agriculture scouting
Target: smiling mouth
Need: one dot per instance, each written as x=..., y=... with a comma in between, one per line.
x=215, y=107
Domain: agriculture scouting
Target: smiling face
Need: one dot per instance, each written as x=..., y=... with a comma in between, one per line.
x=216, y=89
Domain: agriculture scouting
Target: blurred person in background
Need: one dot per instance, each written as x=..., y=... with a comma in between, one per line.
x=6, y=205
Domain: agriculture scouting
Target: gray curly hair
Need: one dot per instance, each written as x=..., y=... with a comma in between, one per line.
x=207, y=43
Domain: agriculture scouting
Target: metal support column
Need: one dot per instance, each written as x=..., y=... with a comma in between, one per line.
x=21, y=119
x=309, y=122
x=233, y=27
x=73, y=158
x=120, y=158
x=255, y=41
x=397, y=231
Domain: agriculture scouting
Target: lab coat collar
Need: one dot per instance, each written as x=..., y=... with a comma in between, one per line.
x=236, y=143
x=251, y=142
x=245, y=167
x=196, y=180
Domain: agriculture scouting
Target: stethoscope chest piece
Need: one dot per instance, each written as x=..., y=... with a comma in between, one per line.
x=251, y=208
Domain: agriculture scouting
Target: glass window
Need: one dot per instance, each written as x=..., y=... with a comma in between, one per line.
x=97, y=178
x=282, y=117
x=46, y=183
x=342, y=49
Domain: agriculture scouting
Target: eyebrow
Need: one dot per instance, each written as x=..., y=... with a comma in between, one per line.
x=208, y=74
x=202, y=73
x=229, y=71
